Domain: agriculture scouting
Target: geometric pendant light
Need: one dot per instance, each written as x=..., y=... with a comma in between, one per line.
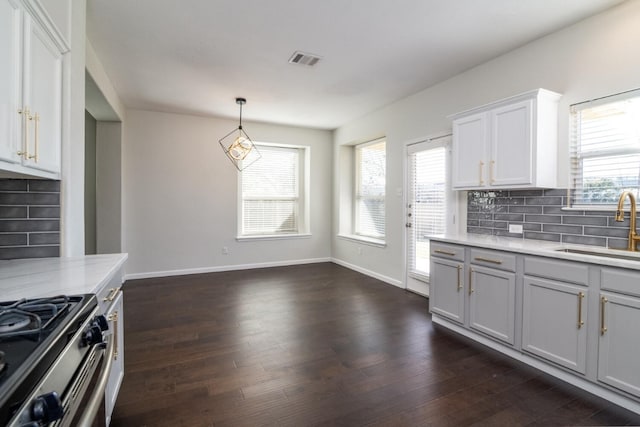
x=238, y=146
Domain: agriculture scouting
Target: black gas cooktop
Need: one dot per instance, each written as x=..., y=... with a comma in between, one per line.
x=32, y=334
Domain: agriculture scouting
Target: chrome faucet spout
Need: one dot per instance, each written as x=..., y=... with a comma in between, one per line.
x=633, y=236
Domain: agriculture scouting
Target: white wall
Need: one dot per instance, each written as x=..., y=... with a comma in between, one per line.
x=179, y=195
x=72, y=187
x=594, y=58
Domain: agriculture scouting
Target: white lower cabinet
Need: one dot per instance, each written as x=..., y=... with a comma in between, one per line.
x=492, y=303
x=554, y=319
x=115, y=316
x=447, y=289
x=575, y=320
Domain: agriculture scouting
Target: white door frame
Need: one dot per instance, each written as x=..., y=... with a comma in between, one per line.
x=455, y=205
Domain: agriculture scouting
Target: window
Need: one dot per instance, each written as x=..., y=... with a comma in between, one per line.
x=605, y=149
x=273, y=196
x=369, y=206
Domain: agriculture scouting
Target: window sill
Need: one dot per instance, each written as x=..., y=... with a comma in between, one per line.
x=273, y=237
x=365, y=240
x=592, y=208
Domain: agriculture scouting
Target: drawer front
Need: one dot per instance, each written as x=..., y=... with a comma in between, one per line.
x=109, y=293
x=445, y=250
x=625, y=281
x=565, y=271
x=494, y=259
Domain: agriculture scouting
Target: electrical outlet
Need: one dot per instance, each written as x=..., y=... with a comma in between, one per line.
x=515, y=228
x=225, y=250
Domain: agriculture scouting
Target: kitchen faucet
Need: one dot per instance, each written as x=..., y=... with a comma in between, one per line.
x=633, y=236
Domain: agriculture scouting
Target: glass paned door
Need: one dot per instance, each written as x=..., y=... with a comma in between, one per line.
x=428, y=206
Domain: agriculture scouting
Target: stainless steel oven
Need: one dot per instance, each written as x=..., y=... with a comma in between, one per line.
x=55, y=368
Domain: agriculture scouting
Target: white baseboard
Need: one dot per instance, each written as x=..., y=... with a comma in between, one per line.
x=386, y=279
x=200, y=270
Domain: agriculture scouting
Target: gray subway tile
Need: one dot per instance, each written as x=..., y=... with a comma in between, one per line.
x=555, y=192
x=500, y=224
x=506, y=233
x=554, y=200
x=30, y=252
x=531, y=226
x=486, y=223
x=44, y=212
x=13, y=239
x=13, y=185
x=472, y=222
x=549, y=219
x=479, y=215
x=565, y=229
x=13, y=212
x=479, y=230
x=526, y=209
x=611, y=213
x=41, y=185
x=617, y=243
x=585, y=220
x=605, y=231
x=30, y=199
x=526, y=193
x=510, y=201
x=611, y=222
x=558, y=210
x=11, y=225
x=584, y=240
x=44, y=239
x=551, y=237
x=509, y=217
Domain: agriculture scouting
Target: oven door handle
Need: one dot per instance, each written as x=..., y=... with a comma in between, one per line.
x=96, y=399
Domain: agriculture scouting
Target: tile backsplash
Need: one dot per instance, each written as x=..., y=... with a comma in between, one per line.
x=29, y=218
x=542, y=218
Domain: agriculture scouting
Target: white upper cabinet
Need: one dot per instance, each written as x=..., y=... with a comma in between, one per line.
x=507, y=144
x=31, y=64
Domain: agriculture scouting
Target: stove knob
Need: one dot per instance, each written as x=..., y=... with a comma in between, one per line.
x=101, y=322
x=92, y=336
x=47, y=408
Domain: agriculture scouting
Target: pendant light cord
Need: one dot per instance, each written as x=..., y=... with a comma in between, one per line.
x=240, y=125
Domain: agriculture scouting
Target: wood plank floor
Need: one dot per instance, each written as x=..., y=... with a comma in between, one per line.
x=320, y=345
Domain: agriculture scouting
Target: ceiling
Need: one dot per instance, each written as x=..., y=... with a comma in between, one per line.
x=196, y=56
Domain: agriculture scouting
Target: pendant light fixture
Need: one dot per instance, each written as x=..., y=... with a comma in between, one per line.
x=238, y=146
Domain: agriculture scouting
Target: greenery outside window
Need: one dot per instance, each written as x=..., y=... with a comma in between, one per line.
x=605, y=149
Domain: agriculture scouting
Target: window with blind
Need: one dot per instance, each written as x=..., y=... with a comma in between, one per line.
x=272, y=193
x=427, y=200
x=369, y=206
x=605, y=149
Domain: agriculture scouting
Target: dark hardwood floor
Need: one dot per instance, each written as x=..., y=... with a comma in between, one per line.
x=320, y=345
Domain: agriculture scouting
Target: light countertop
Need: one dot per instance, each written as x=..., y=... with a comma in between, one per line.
x=544, y=248
x=34, y=278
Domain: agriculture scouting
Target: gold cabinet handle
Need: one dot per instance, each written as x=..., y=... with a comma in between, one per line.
x=470, y=282
x=440, y=251
x=112, y=294
x=459, y=281
x=491, y=180
x=36, y=131
x=113, y=317
x=26, y=116
x=580, y=298
x=481, y=181
x=603, y=327
x=491, y=260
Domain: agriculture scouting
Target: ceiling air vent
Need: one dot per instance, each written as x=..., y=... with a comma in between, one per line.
x=303, y=58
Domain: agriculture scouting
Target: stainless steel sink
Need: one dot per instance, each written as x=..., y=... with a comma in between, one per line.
x=603, y=253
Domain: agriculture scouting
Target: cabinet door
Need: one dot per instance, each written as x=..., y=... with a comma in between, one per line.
x=553, y=322
x=115, y=315
x=511, y=145
x=43, y=96
x=447, y=289
x=10, y=72
x=469, y=151
x=619, y=347
x=492, y=302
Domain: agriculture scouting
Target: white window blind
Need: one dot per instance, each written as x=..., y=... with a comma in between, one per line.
x=370, y=189
x=427, y=204
x=271, y=193
x=605, y=149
